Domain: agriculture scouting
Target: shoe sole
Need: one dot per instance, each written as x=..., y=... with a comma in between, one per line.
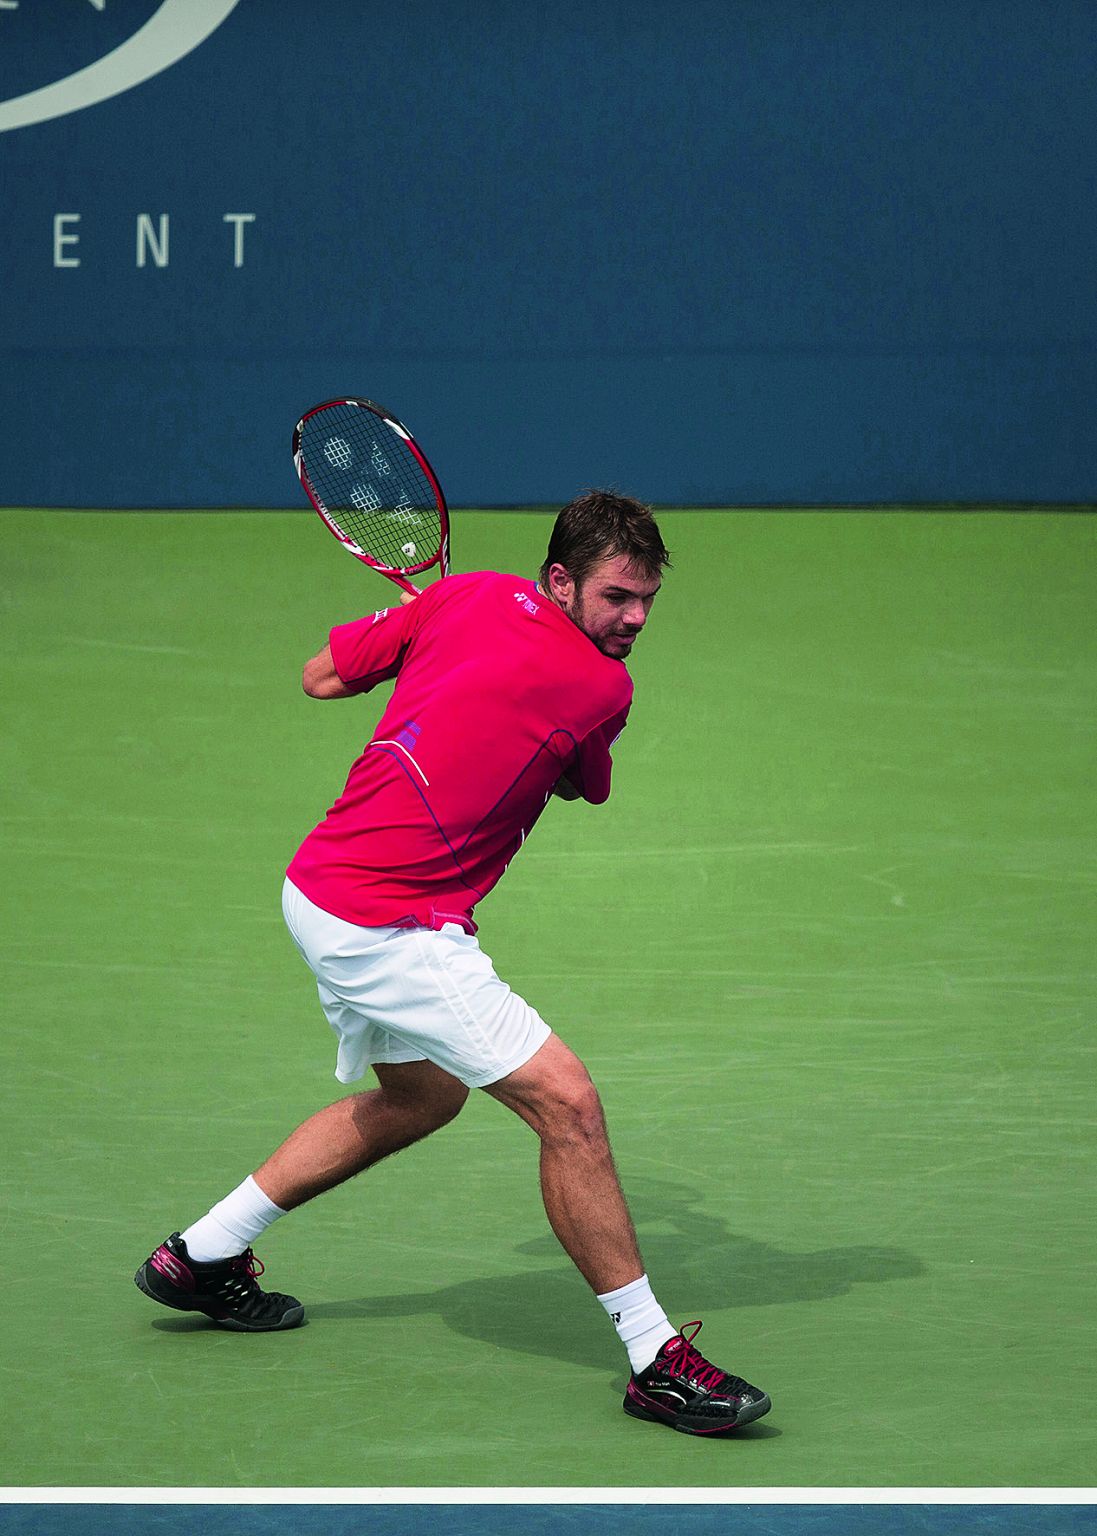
x=687, y=1426
x=291, y=1319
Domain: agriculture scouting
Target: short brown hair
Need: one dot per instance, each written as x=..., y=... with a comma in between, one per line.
x=598, y=524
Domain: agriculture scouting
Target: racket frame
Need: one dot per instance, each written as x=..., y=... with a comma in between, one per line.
x=400, y=575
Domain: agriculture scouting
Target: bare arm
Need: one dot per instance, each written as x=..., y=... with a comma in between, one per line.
x=320, y=679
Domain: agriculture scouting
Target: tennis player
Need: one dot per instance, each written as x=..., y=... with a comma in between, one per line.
x=507, y=691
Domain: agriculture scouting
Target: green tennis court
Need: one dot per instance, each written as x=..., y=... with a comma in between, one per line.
x=828, y=951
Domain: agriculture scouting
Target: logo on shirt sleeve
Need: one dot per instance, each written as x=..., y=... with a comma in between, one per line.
x=527, y=603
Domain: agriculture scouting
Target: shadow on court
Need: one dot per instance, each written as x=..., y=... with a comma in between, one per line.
x=694, y=1261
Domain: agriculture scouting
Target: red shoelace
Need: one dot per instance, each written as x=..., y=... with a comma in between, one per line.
x=690, y=1362
x=249, y=1264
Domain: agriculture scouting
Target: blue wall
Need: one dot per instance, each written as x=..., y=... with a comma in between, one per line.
x=710, y=251
x=712, y=1519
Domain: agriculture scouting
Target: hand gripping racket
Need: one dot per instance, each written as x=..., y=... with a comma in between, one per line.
x=370, y=481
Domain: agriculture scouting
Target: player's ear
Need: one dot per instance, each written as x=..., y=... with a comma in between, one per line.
x=561, y=587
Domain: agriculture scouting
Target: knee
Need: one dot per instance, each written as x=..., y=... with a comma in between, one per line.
x=573, y=1114
x=554, y=1095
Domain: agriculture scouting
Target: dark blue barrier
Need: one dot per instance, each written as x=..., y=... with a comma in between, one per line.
x=770, y=251
x=713, y=1519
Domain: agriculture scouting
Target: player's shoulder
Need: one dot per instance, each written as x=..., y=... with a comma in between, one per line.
x=462, y=584
x=618, y=683
x=604, y=679
x=474, y=589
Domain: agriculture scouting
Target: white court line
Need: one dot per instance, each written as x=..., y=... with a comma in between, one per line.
x=662, y=853
x=707, y=1496
x=125, y=645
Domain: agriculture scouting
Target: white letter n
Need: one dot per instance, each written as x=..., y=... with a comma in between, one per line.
x=157, y=244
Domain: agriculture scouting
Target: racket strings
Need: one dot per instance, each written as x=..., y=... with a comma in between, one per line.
x=371, y=485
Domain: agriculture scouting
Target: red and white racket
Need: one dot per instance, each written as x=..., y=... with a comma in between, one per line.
x=370, y=481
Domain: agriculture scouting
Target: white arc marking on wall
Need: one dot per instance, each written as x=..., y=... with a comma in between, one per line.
x=168, y=36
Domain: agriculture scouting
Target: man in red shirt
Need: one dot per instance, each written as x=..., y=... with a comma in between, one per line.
x=507, y=691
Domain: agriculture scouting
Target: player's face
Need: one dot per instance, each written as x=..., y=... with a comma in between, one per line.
x=611, y=604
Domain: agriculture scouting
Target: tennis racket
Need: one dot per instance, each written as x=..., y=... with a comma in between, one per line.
x=370, y=481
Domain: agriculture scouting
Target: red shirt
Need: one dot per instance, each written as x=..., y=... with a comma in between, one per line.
x=497, y=695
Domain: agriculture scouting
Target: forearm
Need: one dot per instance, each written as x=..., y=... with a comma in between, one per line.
x=320, y=680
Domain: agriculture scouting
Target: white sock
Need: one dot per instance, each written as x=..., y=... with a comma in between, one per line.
x=640, y=1321
x=232, y=1224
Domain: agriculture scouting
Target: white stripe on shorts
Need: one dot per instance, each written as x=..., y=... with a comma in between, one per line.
x=412, y=994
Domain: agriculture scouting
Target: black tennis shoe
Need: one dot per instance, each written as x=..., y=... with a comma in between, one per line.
x=226, y=1290
x=683, y=1389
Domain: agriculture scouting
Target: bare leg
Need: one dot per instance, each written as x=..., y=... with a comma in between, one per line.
x=414, y=1099
x=586, y=1209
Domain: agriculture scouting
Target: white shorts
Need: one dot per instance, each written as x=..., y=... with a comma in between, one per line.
x=412, y=994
